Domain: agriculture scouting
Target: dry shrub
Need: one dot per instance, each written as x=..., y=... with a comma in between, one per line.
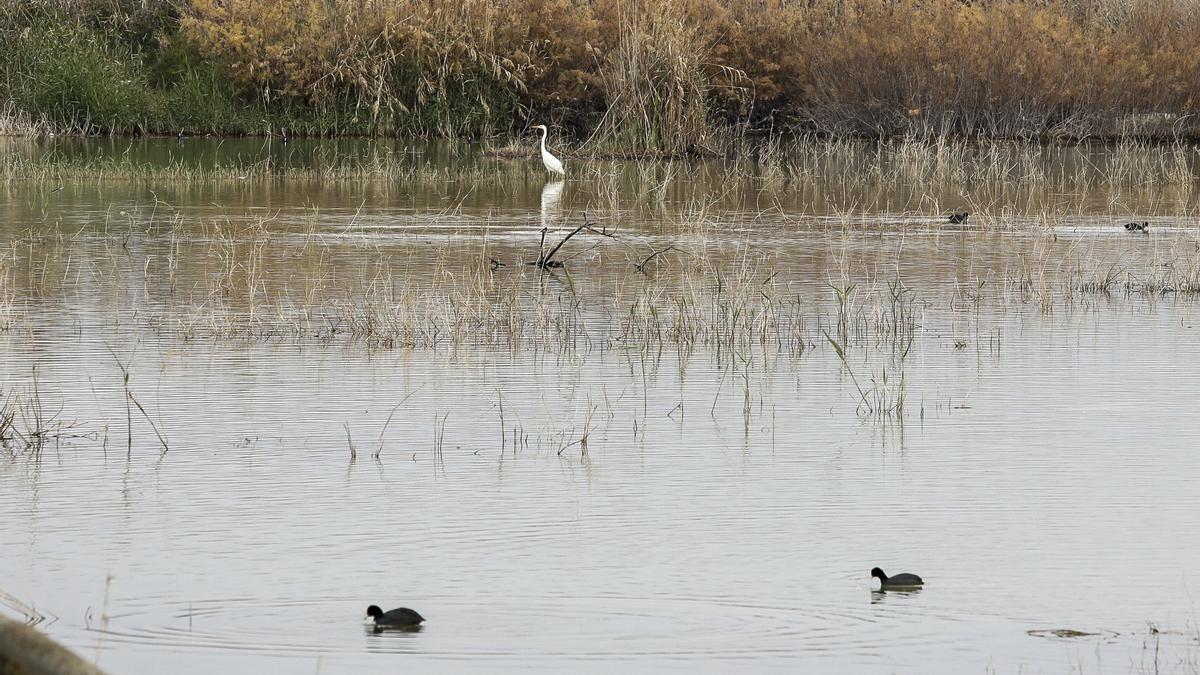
x=764, y=40
x=655, y=75
x=662, y=74
x=999, y=67
x=642, y=67
x=655, y=81
x=392, y=57
x=409, y=54
x=946, y=62
x=276, y=47
x=560, y=45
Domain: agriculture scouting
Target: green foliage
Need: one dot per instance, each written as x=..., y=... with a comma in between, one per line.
x=74, y=78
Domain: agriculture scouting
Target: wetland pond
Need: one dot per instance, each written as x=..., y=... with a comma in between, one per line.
x=244, y=399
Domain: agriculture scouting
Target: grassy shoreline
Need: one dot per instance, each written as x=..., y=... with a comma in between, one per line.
x=852, y=164
x=612, y=76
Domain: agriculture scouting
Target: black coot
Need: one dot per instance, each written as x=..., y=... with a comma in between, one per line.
x=897, y=581
x=401, y=617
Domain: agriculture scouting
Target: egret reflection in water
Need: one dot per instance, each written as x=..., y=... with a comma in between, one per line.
x=551, y=197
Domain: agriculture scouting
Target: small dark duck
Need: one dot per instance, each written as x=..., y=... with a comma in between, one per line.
x=900, y=582
x=401, y=617
x=1137, y=227
x=958, y=218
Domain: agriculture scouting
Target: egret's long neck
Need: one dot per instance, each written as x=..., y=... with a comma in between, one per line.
x=543, y=139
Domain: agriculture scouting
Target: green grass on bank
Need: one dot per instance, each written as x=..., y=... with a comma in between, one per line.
x=70, y=78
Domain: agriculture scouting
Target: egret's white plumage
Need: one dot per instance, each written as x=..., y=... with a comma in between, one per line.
x=553, y=164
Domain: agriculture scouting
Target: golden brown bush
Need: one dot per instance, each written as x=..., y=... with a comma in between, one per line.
x=657, y=73
x=386, y=56
x=561, y=43
x=276, y=47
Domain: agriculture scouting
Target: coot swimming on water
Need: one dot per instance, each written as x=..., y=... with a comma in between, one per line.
x=898, y=581
x=401, y=617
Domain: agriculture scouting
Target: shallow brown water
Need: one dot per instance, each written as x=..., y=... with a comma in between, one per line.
x=734, y=493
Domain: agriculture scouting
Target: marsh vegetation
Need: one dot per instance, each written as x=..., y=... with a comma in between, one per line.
x=640, y=258
x=619, y=76
x=247, y=358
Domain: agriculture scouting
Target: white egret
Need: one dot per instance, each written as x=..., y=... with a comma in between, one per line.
x=553, y=164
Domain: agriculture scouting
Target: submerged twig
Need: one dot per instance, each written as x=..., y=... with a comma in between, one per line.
x=641, y=267
x=379, y=448
x=350, y=442
x=152, y=424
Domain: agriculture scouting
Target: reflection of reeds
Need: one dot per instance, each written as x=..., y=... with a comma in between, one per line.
x=27, y=423
x=8, y=296
x=8, y=418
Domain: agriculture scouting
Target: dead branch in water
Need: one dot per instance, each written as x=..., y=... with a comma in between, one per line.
x=547, y=261
x=641, y=267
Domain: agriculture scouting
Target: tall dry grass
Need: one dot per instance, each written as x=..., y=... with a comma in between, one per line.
x=1006, y=69
x=437, y=60
x=645, y=75
x=659, y=74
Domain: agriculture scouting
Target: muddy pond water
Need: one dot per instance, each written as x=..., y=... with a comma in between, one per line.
x=243, y=405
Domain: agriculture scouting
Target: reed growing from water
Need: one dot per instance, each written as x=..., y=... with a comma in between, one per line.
x=994, y=180
x=251, y=279
x=248, y=279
